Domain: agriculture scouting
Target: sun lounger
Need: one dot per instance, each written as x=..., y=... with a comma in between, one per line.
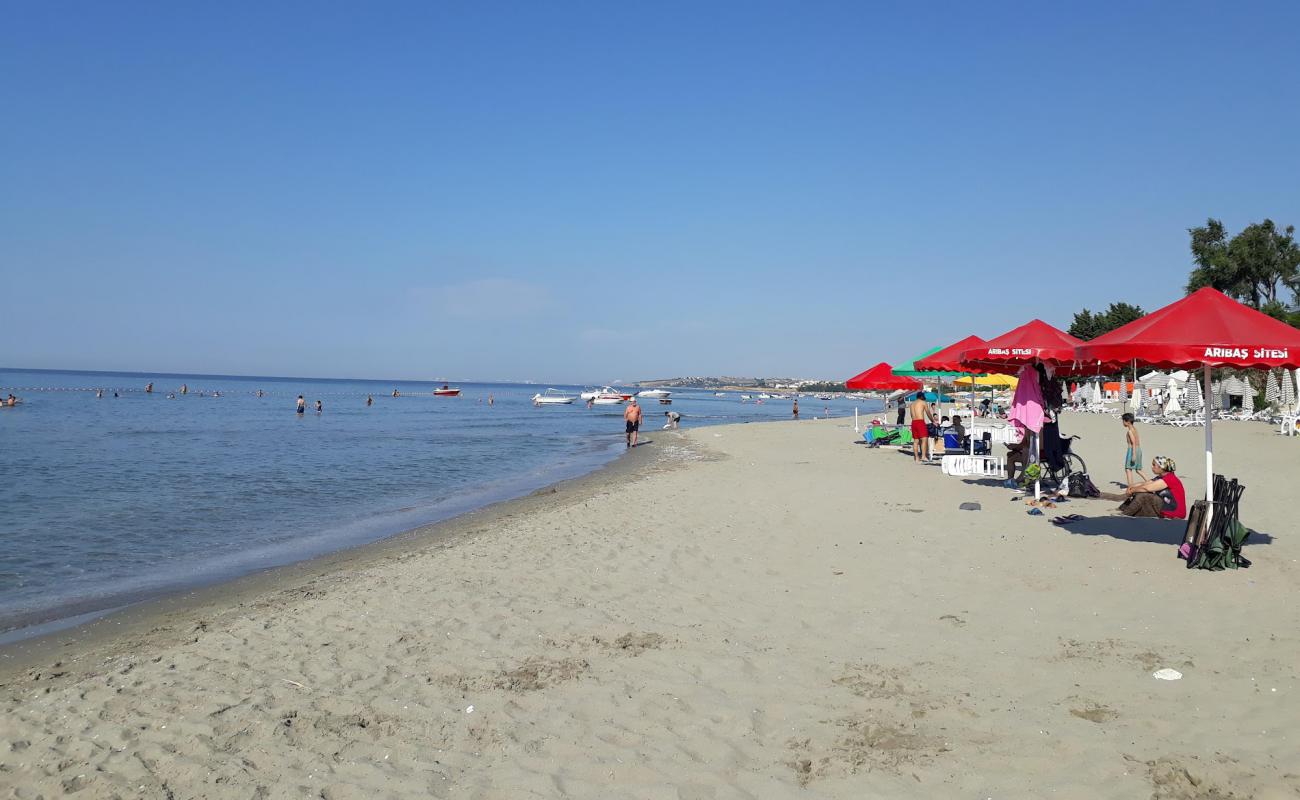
x=965, y=466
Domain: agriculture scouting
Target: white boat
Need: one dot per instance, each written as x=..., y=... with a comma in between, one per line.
x=553, y=397
x=654, y=394
x=765, y=396
x=745, y=397
x=605, y=391
x=607, y=400
x=719, y=394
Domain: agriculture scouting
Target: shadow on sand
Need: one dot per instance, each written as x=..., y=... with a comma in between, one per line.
x=1143, y=529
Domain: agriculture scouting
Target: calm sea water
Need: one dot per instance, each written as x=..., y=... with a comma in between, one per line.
x=107, y=501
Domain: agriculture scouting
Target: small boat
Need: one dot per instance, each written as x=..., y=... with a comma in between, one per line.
x=719, y=394
x=745, y=397
x=665, y=401
x=656, y=394
x=765, y=396
x=553, y=397
x=447, y=391
x=605, y=391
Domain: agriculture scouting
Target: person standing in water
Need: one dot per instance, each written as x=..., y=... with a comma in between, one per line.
x=491, y=401
x=302, y=405
x=796, y=408
x=185, y=388
x=148, y=388
x=632, y=421
x=319, y=407
x=370, y=400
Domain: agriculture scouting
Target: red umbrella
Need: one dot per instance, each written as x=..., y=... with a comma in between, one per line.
x=1031, y=342
x=881, y=376
x=948, y=359
x=1205, y=329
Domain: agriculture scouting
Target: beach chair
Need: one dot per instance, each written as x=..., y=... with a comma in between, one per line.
x=1216, y=546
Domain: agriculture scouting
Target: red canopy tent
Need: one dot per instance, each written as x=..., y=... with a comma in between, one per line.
x=1031, y=342
x=881, y=377
x=948, y=359
x=1205, y=329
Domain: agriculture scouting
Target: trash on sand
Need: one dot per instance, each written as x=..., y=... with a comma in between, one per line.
x=1167, y=674
x=969, y=507
x=469, y=709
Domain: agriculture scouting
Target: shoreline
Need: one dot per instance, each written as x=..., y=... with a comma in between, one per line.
x=137, y=618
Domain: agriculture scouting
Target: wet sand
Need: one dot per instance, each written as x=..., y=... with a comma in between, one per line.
x=745, y=611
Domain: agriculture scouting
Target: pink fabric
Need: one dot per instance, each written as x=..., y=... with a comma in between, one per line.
x=1027, y=405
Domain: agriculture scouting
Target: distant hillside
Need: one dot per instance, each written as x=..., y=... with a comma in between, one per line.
x=727, y=382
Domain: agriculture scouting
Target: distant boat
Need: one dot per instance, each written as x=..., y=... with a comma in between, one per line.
x=447, y=391
x=608, y=399
x=824, y=397
x=765, y=396
x=656, y=394
x=605, y=391
x=719, y=394
x=745, y=397
x=553, y=397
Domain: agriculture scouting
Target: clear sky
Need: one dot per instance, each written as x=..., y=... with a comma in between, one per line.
x=597, y=191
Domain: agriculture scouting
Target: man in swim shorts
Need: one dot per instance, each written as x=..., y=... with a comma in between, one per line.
x=632, y=421
x=922, y=418
x=302, y=404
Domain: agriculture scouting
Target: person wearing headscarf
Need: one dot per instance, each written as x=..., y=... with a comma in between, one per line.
x=1163, y=496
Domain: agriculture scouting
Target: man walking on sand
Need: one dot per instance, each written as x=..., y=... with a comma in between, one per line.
x=922, y=418
x=632, y=421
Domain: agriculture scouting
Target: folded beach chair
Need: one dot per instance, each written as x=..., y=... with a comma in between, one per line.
x=1216, y=546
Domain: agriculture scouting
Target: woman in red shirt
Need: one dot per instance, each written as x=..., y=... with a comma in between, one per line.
x=1162, y=496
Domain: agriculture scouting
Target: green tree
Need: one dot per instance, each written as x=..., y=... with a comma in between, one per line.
x=1256, y=266
x=1088, y=326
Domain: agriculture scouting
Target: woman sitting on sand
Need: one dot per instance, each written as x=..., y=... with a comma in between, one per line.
x=1162, y=496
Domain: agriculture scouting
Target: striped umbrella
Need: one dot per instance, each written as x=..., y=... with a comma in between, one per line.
x=1272, y=390
x=1123, y=392
x=1248, y=399
x=1192, y=400
x=1139, y=397
x=1288, y=390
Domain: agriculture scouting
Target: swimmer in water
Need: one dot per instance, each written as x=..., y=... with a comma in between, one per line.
x=302, y=404
x=370, y=400
x=319, y=407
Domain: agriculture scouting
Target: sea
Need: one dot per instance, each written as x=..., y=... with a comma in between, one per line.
x=109, y=500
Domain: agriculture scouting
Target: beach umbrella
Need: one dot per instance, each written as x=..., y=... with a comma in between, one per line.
x=1035, y=342
x=1122, y=392
x=987, y=380
x=944, y=362
x=1272, y=390
x=1172, y=406
x=1288, y=391
x=881, y=377
x=1192, y=397
x=1138, y=397
x=1205, y=329
x=1248, y=400
x=1097, y=396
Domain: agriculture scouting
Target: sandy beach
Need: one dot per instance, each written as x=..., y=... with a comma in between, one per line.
x=750, y=611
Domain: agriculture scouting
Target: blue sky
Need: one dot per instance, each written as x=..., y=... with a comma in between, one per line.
x=601, y=191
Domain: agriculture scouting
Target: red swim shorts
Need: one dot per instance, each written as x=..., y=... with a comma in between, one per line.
x=919, y=429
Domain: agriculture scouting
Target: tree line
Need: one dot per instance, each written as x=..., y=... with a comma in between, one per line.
x=1260, y=266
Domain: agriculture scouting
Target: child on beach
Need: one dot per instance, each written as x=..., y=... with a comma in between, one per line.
x=1132, y=456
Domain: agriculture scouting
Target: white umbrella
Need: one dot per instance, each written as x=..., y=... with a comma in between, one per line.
x=1139, y=397
x=1248, y=400
x=1192, y=399
x=1096, y=393
x=1288, y=391
x=1172, y=407
x=1272, y=389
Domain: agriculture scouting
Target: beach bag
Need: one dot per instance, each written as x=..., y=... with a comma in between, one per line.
x=1080, y=485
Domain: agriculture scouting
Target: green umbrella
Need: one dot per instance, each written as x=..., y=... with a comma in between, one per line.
x=908, y=368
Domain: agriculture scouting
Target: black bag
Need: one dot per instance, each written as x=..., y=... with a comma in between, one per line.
x=1082, y=486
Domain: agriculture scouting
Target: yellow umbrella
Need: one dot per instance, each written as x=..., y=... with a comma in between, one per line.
x=988, y=380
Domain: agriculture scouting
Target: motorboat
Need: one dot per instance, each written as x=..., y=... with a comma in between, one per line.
x=745, y=397
x=605, y=391
x=553, y=397
x=447, y=391
x=765, y=396
x=608, y=399
x=653, y=394
x=719, y=394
